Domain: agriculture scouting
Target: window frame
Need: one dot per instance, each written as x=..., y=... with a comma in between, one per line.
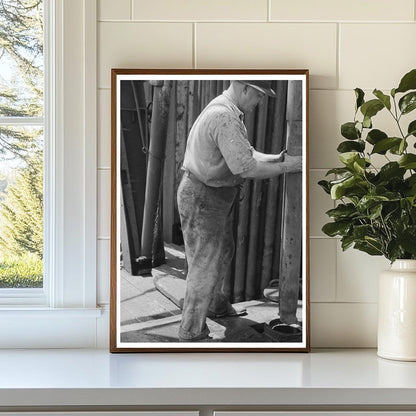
x=70, y=207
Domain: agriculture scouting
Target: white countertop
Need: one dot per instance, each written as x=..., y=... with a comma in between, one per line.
x=96, y=377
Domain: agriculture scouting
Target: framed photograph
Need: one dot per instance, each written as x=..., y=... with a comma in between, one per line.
x=209, y=211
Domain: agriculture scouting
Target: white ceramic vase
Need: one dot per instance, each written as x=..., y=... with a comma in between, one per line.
x=397, y=312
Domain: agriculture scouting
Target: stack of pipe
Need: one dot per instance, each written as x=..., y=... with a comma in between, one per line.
x=259, y=213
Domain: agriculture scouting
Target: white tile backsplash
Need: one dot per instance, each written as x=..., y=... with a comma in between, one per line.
x=344, y=44
x=357, y=10
x=319, y=203
x=357, y=275
x=142, y=45
x=376, y=55
x=323, y=269
x=200, y=10
x=114, y=10
x=270, y=46
x=348, y=325
x=328, y=110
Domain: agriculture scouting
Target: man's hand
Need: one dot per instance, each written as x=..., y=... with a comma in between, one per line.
x=263, y=169
x=278, y=158
x=293, y=163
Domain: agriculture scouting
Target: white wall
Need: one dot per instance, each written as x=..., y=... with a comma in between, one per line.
x=345, y=44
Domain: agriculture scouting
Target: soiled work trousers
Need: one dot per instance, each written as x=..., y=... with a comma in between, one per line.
x=207, y=224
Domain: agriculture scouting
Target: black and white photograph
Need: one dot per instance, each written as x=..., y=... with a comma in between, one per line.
x=209, y=214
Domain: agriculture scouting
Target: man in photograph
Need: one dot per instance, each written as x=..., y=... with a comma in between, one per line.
x=218, y=158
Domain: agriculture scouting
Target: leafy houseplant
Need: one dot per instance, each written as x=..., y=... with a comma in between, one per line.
x=376, y=212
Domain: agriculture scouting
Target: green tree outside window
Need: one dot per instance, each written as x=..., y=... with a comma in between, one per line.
x=21, y=143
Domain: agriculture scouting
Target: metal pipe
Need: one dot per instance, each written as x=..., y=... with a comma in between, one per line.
x=241, y=243
x=291, y=260
x=181, y=110
x=276, y=146
x=252, y=282
x=243, y=226
x=157, y=148
x=212, y=90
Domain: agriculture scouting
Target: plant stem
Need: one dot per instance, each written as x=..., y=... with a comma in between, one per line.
x=397, y=118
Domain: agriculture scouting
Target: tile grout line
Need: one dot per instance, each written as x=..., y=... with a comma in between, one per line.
x=323, y=237
x=355, y=302
x=194, y=62
x=269, y=11
x=255, y=21
x=336, y=271
x=338, y=67
x=131, y=9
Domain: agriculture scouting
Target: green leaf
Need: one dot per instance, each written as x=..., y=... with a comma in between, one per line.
x=391, y=170
x=336, y=228
x=371, y=108
x=383, y=145
x=411, y=180
x=349, y=131
x=360, y=231
x=359, y=94
x=375, y=136
x=398, y=149
x=346, y=242
x=408, y=82
x=375, y=211
x=349, y=158
x=411, y=184
x=385, y=99
x=413, y=213
x=408, y=161
x=338, y=190
x=354, y=188
x=359, y=165
x=341, y=180
x=367, y=122
x=325, y=186
x=407, y=240
x=342, y=211
x=393, y=250
x=391, y=211
x=408, y=102
x=369, y=201
x=374, y=242
x=350, y=146
x=412, y=202
x=338, y=171
x=368, y=248
x=411, y=130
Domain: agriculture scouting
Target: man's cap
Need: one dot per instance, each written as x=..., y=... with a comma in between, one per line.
x=263, y=86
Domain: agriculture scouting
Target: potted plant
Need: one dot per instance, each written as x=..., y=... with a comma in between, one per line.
x=376, y=209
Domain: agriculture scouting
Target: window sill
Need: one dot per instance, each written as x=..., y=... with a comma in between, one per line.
x=37, y=327
x=36, y=312
x=330, y=379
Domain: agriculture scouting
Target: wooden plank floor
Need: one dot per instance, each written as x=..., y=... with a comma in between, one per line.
x=147, y=315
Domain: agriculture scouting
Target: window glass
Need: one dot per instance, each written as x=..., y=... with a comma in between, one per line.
x=21, y=143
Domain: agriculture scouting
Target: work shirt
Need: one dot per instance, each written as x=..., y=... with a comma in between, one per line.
x=218, y=150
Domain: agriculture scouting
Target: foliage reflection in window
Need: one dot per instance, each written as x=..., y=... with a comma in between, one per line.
x=21, y=143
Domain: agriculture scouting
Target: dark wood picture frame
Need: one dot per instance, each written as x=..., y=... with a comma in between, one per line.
x=271, y=219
